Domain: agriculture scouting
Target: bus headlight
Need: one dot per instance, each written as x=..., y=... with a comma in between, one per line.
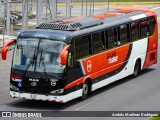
x=12, y=87
x=59, y=91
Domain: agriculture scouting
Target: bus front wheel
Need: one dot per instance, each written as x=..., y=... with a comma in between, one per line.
x=85, y=90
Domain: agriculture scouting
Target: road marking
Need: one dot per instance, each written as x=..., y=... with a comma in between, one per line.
x=155, y=8
x=90, y=102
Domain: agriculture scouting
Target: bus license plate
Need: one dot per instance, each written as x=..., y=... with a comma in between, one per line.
x=33, y=96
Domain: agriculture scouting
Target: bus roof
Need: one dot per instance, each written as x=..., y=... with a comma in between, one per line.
x=64, y=30
x=45, y=34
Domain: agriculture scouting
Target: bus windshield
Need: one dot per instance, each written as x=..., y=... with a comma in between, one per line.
x=40, y=55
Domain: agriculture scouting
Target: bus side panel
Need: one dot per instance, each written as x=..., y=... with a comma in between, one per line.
x=105, y=60
x=111, y=76
x=126, y=67
x=106, y=64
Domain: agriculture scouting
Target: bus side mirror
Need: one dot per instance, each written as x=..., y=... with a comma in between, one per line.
x=5, y=49
x=64, y=55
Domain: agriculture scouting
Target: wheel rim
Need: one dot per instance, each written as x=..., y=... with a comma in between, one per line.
x=85, y=89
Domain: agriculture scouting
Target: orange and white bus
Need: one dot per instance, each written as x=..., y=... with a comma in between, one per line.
x=63, y=60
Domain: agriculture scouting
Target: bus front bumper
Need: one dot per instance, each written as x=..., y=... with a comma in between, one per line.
x=53, y=98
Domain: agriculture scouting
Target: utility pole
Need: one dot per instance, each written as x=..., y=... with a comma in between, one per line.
x=25, y=14
x=7, y=12
x=39, y=11
x=69, y=8
x=108, y=6
x=82, y=8
x=53, y=9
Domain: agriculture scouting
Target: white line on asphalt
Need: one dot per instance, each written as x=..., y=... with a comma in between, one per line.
x=155, y=8
x=90, y=102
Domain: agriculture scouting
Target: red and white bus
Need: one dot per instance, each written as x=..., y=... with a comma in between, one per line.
x=63, y=60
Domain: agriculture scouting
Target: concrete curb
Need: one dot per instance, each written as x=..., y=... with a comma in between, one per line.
x=110, y=3
x=119, y=3
x=132, y=3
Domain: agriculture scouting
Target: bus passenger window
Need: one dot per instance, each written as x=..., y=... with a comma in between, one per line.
x=111, y=37
x=82, y=46
x=134, y=31
x=98, y=42
x=123, y=35
x=144, y=31
x=152, y=24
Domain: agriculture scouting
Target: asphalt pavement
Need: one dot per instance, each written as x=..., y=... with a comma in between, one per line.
x=128, y=94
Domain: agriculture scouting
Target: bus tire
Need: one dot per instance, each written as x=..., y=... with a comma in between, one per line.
x=85, y=90
x=137, y=68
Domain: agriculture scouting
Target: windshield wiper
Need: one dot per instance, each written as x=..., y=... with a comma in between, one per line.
x=31, y=62
x=43, y=65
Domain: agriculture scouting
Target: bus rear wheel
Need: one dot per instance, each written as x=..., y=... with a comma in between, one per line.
x=85, y=91
x=136, y=69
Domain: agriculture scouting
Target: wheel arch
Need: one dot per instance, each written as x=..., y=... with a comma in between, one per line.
x=140, y=61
